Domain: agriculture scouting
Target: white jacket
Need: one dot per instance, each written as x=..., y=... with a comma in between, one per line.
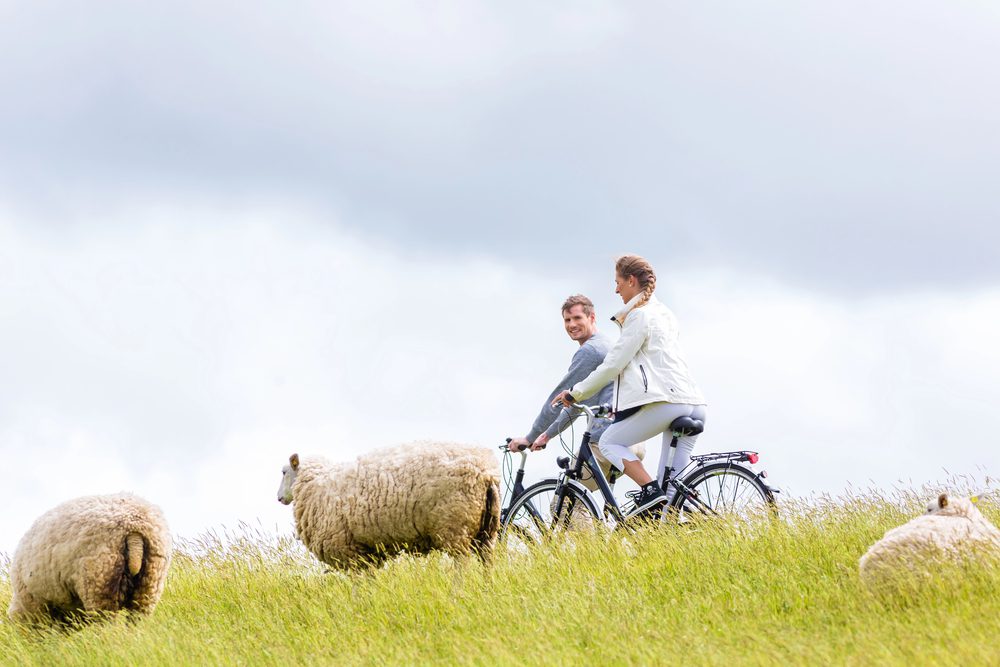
x=646, y=363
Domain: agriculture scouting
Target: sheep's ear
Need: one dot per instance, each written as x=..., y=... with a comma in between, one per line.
x=294, y=460
x=943, y=501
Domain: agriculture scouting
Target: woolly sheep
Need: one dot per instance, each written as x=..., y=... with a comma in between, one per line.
x=949, y=530
x=417, y=497
x=91, y=554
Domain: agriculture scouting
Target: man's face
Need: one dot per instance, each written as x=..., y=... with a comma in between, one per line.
x=579, y=325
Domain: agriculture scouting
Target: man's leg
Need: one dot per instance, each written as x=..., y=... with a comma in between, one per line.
x=639, y=450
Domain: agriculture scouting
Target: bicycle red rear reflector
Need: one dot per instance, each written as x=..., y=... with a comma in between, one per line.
x=753, y=458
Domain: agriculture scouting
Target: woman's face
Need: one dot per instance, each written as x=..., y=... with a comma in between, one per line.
x=627, y=288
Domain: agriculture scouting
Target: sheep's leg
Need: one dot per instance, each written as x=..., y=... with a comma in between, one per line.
x=149, y=586
x=452, y=538
x=344, y=555
x=106, y=584
x=25, y=607
x=98, y=599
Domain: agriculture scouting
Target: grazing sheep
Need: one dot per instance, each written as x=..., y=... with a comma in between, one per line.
x=91, y=554
x=950, y=530
x=417, y=498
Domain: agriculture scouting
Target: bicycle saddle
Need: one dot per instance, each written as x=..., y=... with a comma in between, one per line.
x=687, y=426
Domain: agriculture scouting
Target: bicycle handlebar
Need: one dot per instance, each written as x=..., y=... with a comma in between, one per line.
x=593, y=412
x=512, y=449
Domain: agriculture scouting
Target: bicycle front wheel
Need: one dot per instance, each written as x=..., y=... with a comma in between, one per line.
x=724, y=489
x=545, y=509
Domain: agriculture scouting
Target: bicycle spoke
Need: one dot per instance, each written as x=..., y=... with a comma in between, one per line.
x=745, y=486
x=727, y=490
x=536, y=516
x=719, y=479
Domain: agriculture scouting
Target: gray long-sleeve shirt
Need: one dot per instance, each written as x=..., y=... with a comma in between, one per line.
x=554, y=421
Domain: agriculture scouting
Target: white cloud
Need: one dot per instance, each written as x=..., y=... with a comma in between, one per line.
x=183, y=355
x=183, y=352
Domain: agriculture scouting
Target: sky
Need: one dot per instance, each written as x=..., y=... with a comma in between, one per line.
x=326, y=228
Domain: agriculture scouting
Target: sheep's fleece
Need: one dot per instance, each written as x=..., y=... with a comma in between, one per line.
x=951, y=529
x=415, y=497
x=96, y=553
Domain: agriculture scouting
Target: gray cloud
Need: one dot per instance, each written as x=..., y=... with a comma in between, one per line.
x=186, y=364
x=849, y=147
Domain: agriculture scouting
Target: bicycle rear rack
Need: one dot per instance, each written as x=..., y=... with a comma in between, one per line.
x=740, y=457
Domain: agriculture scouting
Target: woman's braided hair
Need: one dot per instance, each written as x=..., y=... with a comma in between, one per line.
x=642, y=271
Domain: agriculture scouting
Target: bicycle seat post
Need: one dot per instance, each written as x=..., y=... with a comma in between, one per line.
x=668, y=470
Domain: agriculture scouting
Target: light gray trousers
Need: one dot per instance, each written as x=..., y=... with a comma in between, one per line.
x=651, y=420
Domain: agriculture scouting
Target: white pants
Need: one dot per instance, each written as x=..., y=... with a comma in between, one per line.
x=650, y=420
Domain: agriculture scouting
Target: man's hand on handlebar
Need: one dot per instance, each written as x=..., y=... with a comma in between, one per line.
x=517, y=444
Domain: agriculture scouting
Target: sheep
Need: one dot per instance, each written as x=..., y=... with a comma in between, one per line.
x=417, y=498
x=90, y=554
x=950, y=530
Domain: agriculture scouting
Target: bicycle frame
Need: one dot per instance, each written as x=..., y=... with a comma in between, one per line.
x=585, y=456
x=585, y=459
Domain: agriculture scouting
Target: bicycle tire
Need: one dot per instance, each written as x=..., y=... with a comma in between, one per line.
x=727, y=489
x=531, y=521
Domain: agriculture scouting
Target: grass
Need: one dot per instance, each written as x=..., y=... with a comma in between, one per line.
x=781, y=592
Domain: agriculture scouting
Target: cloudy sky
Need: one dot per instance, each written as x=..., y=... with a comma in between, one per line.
x=328, y=227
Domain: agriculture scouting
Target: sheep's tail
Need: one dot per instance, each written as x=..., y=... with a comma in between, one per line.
x=489, y=524
x=134, y=553
x=120, y=587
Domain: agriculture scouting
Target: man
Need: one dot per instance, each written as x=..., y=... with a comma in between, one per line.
x=580, y=321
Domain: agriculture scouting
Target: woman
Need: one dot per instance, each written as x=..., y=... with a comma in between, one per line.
x=652, y=384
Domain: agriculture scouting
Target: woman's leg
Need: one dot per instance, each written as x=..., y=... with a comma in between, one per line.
x=651, y=420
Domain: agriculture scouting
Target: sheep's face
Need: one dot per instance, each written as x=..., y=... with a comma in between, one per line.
x=935, y=506
x=948, y=506
x=288, y=474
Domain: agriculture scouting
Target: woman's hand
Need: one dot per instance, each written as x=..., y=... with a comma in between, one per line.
x=565, y=398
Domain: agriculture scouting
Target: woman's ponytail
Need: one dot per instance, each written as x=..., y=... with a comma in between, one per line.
x=638, y=268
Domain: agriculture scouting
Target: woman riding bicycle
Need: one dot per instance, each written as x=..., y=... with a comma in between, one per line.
x=652, y=384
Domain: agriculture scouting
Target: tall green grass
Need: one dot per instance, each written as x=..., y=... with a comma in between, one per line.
x=785, y=591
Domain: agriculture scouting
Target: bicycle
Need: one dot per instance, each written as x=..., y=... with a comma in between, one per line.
x=714, y=484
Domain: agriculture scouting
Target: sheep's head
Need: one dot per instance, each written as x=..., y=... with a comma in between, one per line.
x=936, y=506
x=288, y=474
x=946, y=506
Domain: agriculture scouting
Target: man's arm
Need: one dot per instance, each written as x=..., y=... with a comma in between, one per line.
x=553, y=420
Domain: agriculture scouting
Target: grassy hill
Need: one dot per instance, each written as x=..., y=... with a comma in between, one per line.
x=779, y=592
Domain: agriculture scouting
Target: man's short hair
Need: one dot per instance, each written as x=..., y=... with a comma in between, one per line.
x=579, y=300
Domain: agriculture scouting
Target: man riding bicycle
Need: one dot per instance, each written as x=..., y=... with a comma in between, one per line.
x=580, y=321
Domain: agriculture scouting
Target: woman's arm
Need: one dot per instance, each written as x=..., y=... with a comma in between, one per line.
x=634, y=332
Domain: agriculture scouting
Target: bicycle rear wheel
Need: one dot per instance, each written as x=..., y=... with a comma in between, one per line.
x=724, y=489
x=536, y=516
